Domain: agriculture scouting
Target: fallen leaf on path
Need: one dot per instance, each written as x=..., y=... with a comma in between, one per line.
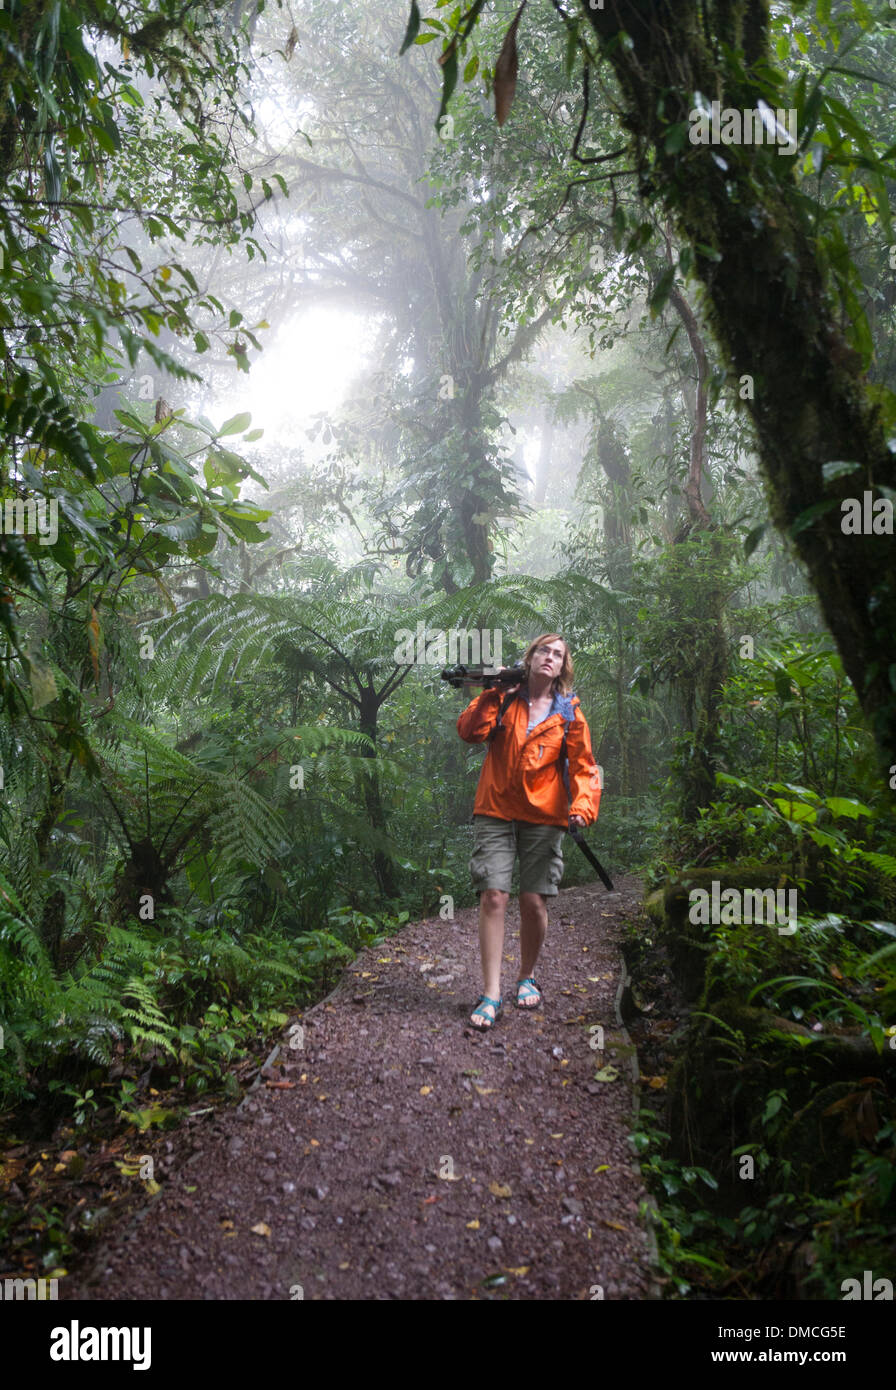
x=226, y=1225
x=614, y=1225
x=498, y=1189
x=607, y=1074
x=472, y=1225
x=280, y=1085
x=557, y=1136
x=484, y=1090
x=425, y=1090
x=262, y=1229
x=656, y=1083
x=520, y=1270
x=604, y=1168
x=345, y=1266
x=428, y=1201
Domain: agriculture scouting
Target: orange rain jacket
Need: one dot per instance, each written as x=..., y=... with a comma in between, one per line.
x=521, y=777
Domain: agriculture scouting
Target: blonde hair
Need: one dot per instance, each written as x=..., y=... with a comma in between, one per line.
x=563, y=682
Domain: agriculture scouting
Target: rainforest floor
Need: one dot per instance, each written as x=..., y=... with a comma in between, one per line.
x=390, y=1151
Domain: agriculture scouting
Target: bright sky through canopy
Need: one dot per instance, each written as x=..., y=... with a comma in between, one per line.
x=305, y=368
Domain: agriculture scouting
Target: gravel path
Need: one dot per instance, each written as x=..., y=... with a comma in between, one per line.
x=399, y=1154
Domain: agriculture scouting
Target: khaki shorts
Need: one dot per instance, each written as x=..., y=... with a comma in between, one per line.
x=496, y=843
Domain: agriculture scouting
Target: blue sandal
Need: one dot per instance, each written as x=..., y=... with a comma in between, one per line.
x=497, y=1005
x=532, y=991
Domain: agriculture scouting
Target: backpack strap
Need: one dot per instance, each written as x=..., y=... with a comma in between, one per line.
x=563, y=757
x=505, y=704
x=563, y=760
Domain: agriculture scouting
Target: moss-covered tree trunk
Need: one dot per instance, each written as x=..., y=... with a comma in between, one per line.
x=756, y=254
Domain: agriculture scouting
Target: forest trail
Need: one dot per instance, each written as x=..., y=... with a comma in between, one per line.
x=399, y=1154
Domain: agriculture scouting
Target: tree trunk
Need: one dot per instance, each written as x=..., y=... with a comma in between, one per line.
x=373, y=801
x=755, y=252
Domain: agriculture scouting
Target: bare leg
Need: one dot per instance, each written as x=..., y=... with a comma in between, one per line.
x=533, y=925
x=492, y=906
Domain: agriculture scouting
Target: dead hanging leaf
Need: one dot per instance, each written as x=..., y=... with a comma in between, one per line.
x=498, y=1189
x=291, y=41
x=93, y=641
x=506, y=70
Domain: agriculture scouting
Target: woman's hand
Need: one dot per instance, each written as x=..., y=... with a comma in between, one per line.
x=509, y=689
x=577, y=820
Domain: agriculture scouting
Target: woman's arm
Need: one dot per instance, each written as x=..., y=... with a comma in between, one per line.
x=481, y=715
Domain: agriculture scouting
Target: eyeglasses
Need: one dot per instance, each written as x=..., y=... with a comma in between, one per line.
x=550, y=651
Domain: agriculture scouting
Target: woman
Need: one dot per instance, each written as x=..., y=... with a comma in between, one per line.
x=522, y=807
